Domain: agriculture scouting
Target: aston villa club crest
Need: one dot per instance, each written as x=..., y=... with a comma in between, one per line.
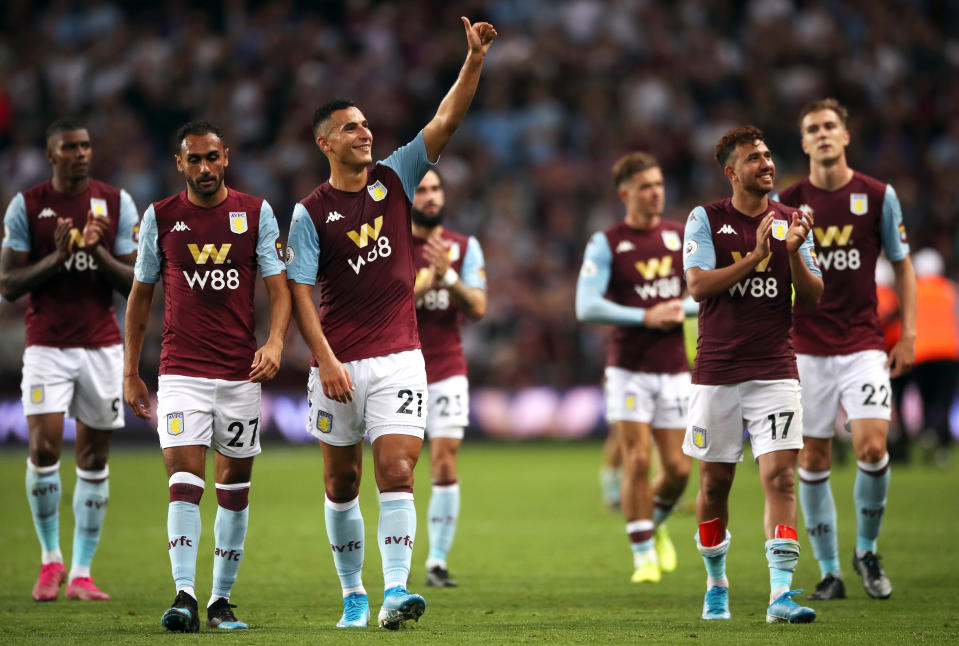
x=238, y=221
x=780, y=227
x=454, y=252
x=699, y=437
x=98, y=207
x=174, y=423
x=324, y=421
x=858, y=203
x=36, y=394
x=377, y=190
x=672, y=241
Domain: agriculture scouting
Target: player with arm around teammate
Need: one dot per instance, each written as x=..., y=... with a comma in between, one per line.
x=742, y=256
x=207, y=244
x=841, y=347
x=450, y=285
x=69, y=242
x=352, y=235
x=632, y=278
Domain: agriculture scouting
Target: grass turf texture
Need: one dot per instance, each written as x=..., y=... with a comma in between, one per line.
x=537, y=557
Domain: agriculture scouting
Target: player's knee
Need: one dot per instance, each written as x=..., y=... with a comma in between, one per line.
x=715, y=488
x=395, y=473
x=45, y=454
x=343, y=484
x=443, y=469
x=676, y=469
x=637, y=459
x=871, y=451
x=781, y=481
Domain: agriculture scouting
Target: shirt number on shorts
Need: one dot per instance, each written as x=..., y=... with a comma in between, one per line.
x=444, y=404
x=869, y=401
x=772, y=422
x=238, y=428
x=407, y=395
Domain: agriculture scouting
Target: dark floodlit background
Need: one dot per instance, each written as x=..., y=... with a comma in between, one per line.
x=566, y=89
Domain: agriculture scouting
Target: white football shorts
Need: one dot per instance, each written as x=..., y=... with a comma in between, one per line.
x=661, y=400
x=449, y=407
x=858, y=381
x=390, y=397
x=83, y=383
x=217, y=413
x=770, y=410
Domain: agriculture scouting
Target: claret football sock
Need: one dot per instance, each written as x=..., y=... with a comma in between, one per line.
x=229, y=534
x=43, y=494
x=782, y=554
x=443, y=513
x=396, y=532
x=713, y=543
x=640, y=534
x=90, y=498
x=869, y=492
x=183, y=528
x=345, y=529
x=819, y=514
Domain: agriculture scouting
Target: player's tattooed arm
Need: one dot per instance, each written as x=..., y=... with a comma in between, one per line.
x=335, y=379
x=266, y=360
x=135, y=392
x=454, y=105
x=18, y=276
x=902, y=357
x=706, y=283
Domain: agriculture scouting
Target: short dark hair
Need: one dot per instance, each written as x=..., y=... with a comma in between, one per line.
x=323, y=112
x=65, y=124
x=632, y=163
x=734, y=137
x=828, y=103
x=436, y=171
x=195, y=128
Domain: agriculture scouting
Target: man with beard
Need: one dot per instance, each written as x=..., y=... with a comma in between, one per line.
x=450, y=285
x=207, y=244
x=73, y=361
x=632, y=278
x=742, y=257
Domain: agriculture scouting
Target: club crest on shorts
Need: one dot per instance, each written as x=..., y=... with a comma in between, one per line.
x=858, y=203
x=780, y=227
x=36, y=394
x=631, y=401
x=672, y=241
x=174, y=423
x=324, y=421
x=377, y=190
x=238, y=221
x=699, y=437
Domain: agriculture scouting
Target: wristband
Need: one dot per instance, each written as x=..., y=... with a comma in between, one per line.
x=449, y=278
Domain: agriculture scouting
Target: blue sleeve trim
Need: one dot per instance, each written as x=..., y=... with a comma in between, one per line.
x=891, y=228
x=806, y=251
x=302, y=248
x=125, y=242
x=147, y=267
x=16, y=231
x=592, y=305
x=411, y=164
x=473, y=271
x=267, y=235
x=698, y=248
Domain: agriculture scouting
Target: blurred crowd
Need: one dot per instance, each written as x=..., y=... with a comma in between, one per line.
x=567, y=88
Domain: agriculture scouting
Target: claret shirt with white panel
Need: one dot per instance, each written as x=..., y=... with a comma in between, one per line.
x=208, y=259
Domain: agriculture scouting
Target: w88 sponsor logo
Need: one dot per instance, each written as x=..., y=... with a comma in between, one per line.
x=435, y=299
x=218, y=279
x=757, y=287
x=81, y=261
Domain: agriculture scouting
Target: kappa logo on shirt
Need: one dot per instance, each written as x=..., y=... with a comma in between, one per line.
x=726, y=229
x=180, y=226
x=624, y=246
x=46, y=213
x=333, y=217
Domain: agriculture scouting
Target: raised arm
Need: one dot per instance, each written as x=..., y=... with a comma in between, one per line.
x=134, y=329
x=452, y=109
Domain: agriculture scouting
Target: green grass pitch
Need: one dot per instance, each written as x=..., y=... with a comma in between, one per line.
x=539, y=560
